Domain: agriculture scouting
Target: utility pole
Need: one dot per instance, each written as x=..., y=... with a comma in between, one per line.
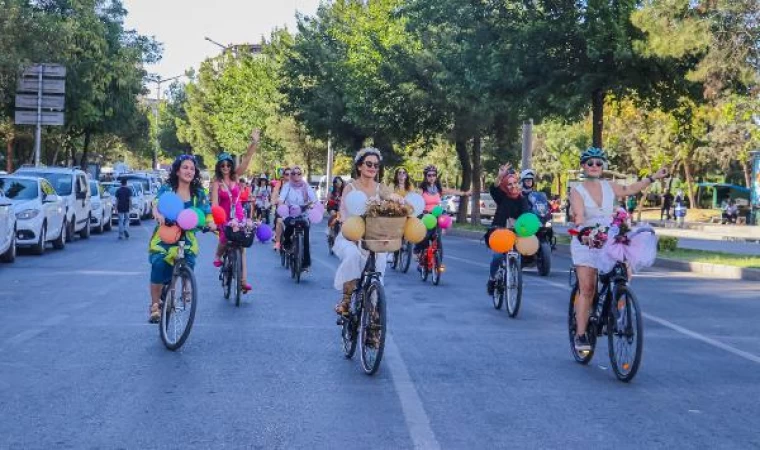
x=330, y=162
x=157, y=146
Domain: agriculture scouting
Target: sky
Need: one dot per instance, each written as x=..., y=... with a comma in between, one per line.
x=181, y=26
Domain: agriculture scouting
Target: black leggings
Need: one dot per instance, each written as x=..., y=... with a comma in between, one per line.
x=287, y=236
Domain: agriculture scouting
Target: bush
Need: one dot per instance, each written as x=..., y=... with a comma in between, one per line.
x=667, y=243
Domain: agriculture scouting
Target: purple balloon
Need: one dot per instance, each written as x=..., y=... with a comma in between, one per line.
x=283, y=211
x=295, y=211
x=187, y=219
x=315, y=216
x=318, y=207
x=264, y=232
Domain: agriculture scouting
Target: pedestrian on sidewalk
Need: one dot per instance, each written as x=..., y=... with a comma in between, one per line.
x=123, y=201
x=667, y=203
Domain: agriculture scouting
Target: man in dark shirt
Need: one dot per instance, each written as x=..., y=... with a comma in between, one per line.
x=123, y=201
x=667, y=203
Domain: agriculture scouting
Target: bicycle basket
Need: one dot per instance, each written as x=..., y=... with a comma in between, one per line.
x=384, y=234
x=243, y=237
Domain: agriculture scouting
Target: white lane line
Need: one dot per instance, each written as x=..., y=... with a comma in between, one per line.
x=468, y=261
x=685, y=331
x=417, y=421
x=23, y=336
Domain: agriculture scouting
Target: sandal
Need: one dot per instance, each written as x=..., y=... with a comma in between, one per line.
x=246, y=287
x=217, y=262
x=155, y=313
x=343, y=308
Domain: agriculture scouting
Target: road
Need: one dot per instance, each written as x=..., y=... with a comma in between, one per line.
x=81, y=368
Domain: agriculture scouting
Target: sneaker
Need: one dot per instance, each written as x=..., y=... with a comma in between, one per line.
x=126, y=233
x=490, y=286
x=582, y=344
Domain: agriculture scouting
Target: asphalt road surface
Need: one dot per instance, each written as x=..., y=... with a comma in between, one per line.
x=80, y=367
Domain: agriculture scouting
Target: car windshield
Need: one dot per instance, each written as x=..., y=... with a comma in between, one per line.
x=61, y=181
x=111, y=188
x=144, y=183
x=94, y=189
x=17, y=189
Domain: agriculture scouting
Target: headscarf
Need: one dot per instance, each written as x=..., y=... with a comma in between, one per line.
x=513, y=192
x=301, y=186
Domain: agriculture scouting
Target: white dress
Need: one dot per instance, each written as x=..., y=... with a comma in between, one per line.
x=593, y=215
x=352, y=256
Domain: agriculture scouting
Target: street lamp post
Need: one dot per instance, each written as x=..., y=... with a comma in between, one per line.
x=158, y=102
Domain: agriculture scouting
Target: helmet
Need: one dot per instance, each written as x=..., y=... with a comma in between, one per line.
x=430, y=168
x=224, y=156
x=593, y=153
x=527, y=174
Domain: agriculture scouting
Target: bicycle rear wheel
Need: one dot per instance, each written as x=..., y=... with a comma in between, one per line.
x=227, y=275
x=178, y=311
x=372, y=329
x=572, y=327
x=349, y=332
x=499, y=289
x=299, y=258
x=406, y=256
x=625, y=334
x=237, y=269
x=283, y=258
x=514, y=287
x=437, y=267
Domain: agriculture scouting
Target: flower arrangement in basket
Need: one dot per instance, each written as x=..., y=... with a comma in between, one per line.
x=597, y=235
x=636, y=247
x=384, y=225
x=241, y=233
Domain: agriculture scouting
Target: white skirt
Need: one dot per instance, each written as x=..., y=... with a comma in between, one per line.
x=583, y=255
x=352, y=261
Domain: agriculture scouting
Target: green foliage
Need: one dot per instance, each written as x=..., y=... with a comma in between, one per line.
x=667, y=243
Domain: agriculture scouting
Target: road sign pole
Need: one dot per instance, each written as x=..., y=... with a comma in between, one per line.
x=38, y=131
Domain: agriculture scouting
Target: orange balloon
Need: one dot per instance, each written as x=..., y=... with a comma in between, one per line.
x=169, y=234
x=502, y=240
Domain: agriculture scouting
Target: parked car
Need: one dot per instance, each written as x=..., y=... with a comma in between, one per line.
x=148, y=189
x=40, y=212
x=72, y=186
x=102, y=206
x=136, y=206
x=487, y=205
x=7, y=229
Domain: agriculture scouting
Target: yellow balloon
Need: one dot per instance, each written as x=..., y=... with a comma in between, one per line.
x=527, y=246
x=353, y=228
x=414, y=230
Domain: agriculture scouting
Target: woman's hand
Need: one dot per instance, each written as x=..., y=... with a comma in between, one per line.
x=255, y=136
x=660, y=174
x=160, y=219
x=503, y=170
x=212, y=226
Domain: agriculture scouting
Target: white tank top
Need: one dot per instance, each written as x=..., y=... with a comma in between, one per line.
x=594, y=214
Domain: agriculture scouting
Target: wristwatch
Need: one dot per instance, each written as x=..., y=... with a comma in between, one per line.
x=650, y=178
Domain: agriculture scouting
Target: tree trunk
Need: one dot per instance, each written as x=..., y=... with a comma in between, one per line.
x=464, y=160
x=747, y=166
x=85, y=150
x=693, y=204
x=597, y=110
x=477, y=169
x=9, y=154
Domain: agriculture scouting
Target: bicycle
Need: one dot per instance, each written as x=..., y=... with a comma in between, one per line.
x=232, y=261
x=614, y=312
x=332, y=234
x=294, y=254
x=508, y=283
x=402, y=258
x=366, y=321
x=431, y=262
x=172, y=328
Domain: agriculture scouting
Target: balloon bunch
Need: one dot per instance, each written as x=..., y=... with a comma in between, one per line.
x=171, y=206
x=316, y=212
x=523, y=239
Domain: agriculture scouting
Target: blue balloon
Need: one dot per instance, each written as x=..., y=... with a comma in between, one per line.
x=170, y=205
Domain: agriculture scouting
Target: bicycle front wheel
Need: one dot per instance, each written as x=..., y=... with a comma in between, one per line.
x=178, y=311
x=372, y=329
x=406, y=256
x=298, y=258
x=625, y=334
x=514, y=287
x=237, y=269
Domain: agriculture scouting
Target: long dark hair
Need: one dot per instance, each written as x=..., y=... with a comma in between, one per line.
x=355, y=173
x=218, y=170
x=334, y=190
x=195, y=185
x=407, y=182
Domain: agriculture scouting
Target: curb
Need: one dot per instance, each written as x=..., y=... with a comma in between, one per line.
x=717, y=270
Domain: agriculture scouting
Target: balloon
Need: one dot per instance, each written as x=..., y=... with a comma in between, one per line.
x=283, y=211
x=444, y=221
x=170, y=205
x=414, y=230
x=315, y=215
x=502, y=240
x=169, y=234
x=527, y=246
x=437, y=211
x=187, y=219
x=294, y=211
x=417, y=202
x=430, y=221
x=356, y=203
x=353, y=228
x=264, y=232
x=319, y=207
x=201, y=217
x=219, y=214
x=527, y=224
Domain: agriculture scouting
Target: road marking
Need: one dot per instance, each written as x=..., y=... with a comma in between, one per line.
x=23, y=336
x=417, y=421
x=468, y=261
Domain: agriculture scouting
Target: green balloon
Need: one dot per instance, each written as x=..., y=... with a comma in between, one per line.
x=437, y=211
x=527, y=225
x=201, y=217
x=429, y=221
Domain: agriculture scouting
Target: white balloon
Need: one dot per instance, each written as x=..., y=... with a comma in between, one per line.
x=417, y=202
x=356, y=203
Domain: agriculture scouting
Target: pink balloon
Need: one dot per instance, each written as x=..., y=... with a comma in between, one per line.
x=294, y=211
x=444, y=221
x=315, y=215
x=187, y=219
x=283, y=211
x=318, y=207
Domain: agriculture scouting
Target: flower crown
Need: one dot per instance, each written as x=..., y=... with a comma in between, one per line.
x=367, y=151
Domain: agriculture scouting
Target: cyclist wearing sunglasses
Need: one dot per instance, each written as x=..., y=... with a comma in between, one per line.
x=226, y=192
x=402, y=185
x=593, y=203
x=297, y=193
x=284, y=179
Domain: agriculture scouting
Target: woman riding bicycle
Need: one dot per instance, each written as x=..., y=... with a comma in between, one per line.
x=432, y=191
x=226, y=193
x=284, y=179
x=366, y=178
x=334, y=198
x=297, y=193
x=592, y=203
x=402, y=185
x=510, y=204
x=262, y=194
x=185, y=181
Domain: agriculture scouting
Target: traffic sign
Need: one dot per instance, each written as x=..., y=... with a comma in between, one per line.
x=51, y=70
x=49, y=85
x=29, y=101
x=30, y=118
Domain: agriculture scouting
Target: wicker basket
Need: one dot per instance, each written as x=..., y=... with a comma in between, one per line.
x=243, y=237
x=384, y=234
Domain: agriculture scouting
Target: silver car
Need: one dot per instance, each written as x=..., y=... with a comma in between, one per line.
x=102, y=205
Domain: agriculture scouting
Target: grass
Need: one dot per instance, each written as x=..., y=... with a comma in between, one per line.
x=726, y=259
x=692, y=215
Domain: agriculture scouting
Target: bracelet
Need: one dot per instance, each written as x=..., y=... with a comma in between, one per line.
x=650, y=178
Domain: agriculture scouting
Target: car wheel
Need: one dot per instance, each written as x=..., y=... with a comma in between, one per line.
x=101, y=225
x=85, y=233
x=39, y=247
x=108, y=222
x=71, y=231
x=60, y=243
x=10, y=255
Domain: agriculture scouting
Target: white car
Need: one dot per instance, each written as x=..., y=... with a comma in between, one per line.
x=102, y=205
x=7, y=228
x=40, y=212
x=487, y=205
x=136, y=205
x=148, y=189
x=73, y=188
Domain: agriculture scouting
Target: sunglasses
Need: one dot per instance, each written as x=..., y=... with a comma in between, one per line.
x=594, y=163
x=225, y=164
x=296, y=173
x=286, y=174
x=402, y=172
x=431, y=175
x=372, y=165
